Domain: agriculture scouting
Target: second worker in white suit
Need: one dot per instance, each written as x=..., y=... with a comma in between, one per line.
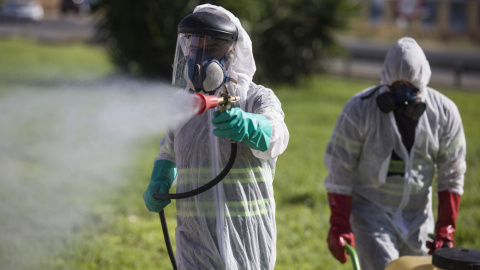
x=390, y=143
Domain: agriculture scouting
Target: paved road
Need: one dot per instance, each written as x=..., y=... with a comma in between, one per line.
x=449, y=68
x=51, y=30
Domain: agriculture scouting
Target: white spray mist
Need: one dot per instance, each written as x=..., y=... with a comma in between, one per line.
x=61, y=146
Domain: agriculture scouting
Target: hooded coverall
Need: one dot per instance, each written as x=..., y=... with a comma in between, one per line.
x=232, y=225
x=391, y=187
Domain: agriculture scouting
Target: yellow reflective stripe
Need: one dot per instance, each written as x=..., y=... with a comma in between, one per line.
x=397, y=162
x=231, y=180
x=232, y=214
x=397, y=166
x=250, y=203
x=393, y=186
x=246, y=170
x=209, y=170
x=232, y=204
x=262, y=206
x=345, y=143
x=392, y=190
x=226, y=181
x=249, y=213
x=244, y=180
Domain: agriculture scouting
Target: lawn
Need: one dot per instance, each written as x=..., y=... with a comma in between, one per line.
x=76, y=154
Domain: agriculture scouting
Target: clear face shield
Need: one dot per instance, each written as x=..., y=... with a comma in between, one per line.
x=201, y=62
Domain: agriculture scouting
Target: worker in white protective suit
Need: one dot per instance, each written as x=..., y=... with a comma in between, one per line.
x=387, y=145
x=232, y=225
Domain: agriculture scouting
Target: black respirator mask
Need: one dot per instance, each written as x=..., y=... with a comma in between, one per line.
x=402, y=98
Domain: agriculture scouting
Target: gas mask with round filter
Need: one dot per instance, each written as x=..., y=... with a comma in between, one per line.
x=205, y=45
x=402, y=97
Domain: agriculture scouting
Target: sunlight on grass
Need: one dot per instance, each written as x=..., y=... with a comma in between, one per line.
x=46, y=64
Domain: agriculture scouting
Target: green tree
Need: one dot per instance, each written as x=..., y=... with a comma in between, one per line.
x=289, y=37
x=292, y=36
x=141, y=34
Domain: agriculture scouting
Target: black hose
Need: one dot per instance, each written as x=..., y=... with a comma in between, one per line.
x=213, y=182
x=163, y=220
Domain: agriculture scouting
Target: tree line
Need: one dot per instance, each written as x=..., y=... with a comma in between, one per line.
x=289, y=37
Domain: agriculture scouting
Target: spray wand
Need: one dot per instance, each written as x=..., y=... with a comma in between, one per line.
x=206, y=102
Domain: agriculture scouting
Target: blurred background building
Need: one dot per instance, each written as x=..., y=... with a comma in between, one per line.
x=439, y=19
x=447, y=30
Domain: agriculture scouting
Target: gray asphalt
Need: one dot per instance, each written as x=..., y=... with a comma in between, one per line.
x=59, y=29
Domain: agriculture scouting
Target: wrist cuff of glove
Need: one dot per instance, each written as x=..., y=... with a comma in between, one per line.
x=448, y=206
x=164, y=172
x=259, y=138
x=341, y=208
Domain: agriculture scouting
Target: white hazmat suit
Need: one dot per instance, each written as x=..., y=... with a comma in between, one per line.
x=392, y=213
x=232, y=225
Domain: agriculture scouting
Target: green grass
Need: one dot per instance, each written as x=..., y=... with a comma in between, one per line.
x=117, y=232
x=51, y=64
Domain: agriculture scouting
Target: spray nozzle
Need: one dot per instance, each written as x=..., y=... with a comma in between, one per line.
x=224, y=102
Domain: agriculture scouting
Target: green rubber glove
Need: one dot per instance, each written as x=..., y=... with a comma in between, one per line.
x=163, y=174
x=252, y=129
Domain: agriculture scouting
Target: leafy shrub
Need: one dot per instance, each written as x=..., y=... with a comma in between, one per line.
x=289, y=37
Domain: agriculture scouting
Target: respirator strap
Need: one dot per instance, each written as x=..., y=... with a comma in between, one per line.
x=370, y=94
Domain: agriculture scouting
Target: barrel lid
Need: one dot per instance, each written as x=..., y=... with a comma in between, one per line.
x=456, y=258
